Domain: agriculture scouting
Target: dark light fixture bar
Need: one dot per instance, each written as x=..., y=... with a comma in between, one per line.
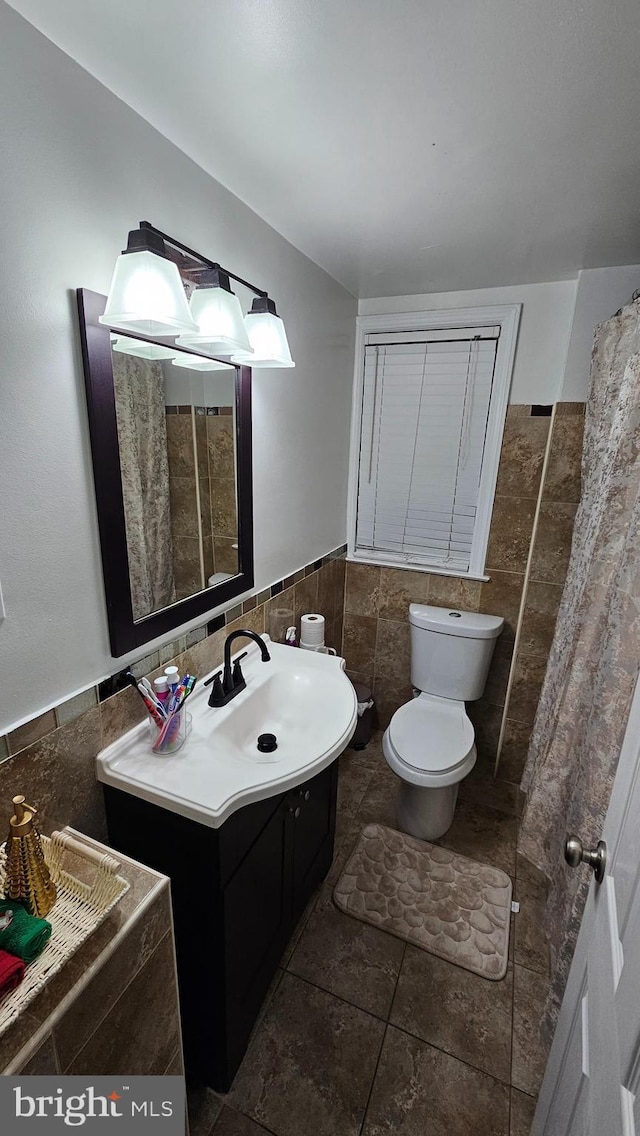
x=201, y=261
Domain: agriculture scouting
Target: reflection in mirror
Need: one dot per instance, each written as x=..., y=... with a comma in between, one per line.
x=176, y=436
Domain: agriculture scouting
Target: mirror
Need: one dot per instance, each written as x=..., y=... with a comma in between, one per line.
x=176, y=438
x=171, y=447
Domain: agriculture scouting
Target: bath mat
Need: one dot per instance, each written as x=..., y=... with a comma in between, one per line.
x=444, y=903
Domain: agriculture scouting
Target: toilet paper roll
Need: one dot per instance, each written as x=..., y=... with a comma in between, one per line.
x=312, y=630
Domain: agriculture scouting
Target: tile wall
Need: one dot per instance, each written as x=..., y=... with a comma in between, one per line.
x=376, y=629
x=51, y=759
x=549, y=562
x=204, y=527
x=113, y=1008
x=185, y=527
x=219, y=503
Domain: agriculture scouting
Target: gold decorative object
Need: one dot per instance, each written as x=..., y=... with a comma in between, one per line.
x=27, y=875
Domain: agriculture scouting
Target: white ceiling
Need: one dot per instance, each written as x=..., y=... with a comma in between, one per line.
x=404, y=145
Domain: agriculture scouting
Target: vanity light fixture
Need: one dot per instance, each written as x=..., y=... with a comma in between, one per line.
x=267, y=337
x=197, y=363
x=217, y=312
x=147, y=296
x=146, y=293
x=124, y=345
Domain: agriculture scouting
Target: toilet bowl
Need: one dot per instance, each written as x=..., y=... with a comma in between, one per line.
x=429, y=742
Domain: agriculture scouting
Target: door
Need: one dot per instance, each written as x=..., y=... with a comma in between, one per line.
x=592, y=1081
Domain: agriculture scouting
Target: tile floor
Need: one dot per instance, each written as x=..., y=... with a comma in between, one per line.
x=364, y=1035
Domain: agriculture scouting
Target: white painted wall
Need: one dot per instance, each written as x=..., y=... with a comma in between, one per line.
x=545, y=327
x=79, y=168
x=601, y=291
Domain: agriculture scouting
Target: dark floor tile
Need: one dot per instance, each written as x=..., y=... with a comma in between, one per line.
x=349, y=958
x=483, y=834
x=371, y=757
x=346, y=822
x=378, y=805
x=203, y=1107
x=480, y=787
x=530, y=877
x=457, y=1011
x=350, y=834
x=311, y=1065
x=529, y=1046
x=266, y=1002
x=421, y=1091
x=299, y=928
x=531, y=946
x=44, y=1062
x=230, y=1123
x=353, y=779
x=522, y=1110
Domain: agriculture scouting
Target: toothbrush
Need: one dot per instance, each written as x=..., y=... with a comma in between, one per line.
x=153, y=697
x=151, y=706
x=147, y=691
x=178, y=693
x=172, y=724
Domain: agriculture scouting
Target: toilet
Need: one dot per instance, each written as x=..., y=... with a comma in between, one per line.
x=429, y=743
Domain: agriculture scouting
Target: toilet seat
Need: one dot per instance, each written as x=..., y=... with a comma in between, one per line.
x=430, y=742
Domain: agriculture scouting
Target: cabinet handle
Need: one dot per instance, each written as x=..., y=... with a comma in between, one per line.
x=304, y=793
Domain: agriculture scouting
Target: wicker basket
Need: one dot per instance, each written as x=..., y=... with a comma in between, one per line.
x=84, y=900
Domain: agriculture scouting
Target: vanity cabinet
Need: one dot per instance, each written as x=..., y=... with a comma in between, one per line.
x=237, y=893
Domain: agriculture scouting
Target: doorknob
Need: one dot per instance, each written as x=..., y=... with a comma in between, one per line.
x=575, y=854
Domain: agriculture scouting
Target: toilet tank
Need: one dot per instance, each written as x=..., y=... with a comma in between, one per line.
x=451, y=650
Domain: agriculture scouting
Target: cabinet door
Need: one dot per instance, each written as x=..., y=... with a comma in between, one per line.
x=257, y=923
x=314, y=828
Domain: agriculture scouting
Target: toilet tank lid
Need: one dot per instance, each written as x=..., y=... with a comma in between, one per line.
x=452, y=621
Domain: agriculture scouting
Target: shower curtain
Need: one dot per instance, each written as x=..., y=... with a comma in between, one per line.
x=594, y=660
x=142, y=439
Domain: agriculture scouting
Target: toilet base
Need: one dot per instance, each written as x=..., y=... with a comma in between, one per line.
x=425, y=813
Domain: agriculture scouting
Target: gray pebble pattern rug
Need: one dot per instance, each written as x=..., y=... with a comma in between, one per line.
x=438, y=900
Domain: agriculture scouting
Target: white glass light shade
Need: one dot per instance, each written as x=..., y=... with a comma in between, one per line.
x=194, y=363
x=140, y=349
x=268, y=339
x=146, y=295
x=218, y=315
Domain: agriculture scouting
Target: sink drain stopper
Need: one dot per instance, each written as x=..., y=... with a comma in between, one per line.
x=267, y=743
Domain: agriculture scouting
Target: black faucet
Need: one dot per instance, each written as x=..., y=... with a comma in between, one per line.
x=232, y=681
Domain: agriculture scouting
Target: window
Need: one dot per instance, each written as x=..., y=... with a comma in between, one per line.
x=429, y=407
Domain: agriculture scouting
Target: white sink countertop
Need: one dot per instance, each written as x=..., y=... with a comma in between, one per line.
x=302, y=697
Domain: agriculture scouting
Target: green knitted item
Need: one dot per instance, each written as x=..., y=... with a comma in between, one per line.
x=26, y=936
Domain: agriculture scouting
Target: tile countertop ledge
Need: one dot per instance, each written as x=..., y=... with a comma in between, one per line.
x=42, y=1017
x=304, y=698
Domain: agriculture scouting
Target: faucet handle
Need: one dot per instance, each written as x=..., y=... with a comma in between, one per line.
x=216, y=698
x=238, y=676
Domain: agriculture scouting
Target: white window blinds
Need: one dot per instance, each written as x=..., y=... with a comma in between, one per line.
x=425, y=408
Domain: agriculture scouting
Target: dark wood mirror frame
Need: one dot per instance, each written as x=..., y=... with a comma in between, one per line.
x=126, y=634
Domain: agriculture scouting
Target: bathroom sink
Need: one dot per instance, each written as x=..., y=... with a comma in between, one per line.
x=303, y=698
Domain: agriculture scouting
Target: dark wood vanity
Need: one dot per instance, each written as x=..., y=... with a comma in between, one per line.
x=237, y=893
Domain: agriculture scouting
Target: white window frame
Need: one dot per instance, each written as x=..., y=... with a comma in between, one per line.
x=507, y=317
